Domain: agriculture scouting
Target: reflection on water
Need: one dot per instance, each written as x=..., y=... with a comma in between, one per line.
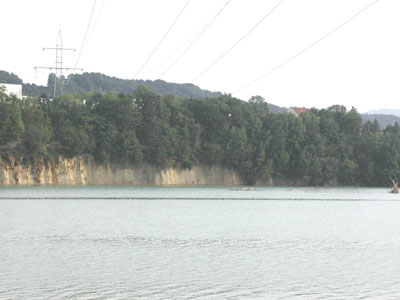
x=111, y=243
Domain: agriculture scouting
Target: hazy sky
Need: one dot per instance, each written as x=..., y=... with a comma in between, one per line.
x=358, y=65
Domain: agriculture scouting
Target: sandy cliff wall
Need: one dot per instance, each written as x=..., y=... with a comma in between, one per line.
x=83, y=170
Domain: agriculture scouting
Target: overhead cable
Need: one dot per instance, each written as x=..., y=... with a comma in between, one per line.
x=238, y=41
x=86, y=32
x=162, y=39
x=307, y=48
x=178, y=50
x=96, y=21
x=209, y=23
x=181, y=47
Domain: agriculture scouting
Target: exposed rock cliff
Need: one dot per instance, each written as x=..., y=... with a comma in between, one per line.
x=83, y=170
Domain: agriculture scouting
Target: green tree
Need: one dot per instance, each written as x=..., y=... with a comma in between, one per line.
x=38, y=129
x=11, y=125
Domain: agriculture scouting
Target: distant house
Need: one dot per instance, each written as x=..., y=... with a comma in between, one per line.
x=13, y=89
x=297, y=111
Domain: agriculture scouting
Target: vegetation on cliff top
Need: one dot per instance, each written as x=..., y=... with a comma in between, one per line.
x=100, y=83
x=321, y=147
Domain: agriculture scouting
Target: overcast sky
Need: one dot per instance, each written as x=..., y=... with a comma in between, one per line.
x=358, y=65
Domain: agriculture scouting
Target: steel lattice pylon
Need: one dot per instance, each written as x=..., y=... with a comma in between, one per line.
x=58, y=67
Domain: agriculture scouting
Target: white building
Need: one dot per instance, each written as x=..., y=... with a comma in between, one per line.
x=13, y=89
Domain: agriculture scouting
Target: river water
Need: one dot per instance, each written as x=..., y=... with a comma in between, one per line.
x=199, y=243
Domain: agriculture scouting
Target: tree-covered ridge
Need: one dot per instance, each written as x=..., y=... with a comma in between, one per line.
x=99, y=83
x=383, y=120
x=321, y=147
x=10, y=78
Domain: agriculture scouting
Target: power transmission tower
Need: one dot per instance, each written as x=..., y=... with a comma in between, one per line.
x=58, y=67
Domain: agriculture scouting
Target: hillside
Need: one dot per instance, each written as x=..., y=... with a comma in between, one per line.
x=395, y=112
x=10, y=78
x=276, y=109
x=383, y=120
x=100, y=83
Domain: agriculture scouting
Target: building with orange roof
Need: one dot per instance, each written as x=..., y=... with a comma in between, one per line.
x=297, y=111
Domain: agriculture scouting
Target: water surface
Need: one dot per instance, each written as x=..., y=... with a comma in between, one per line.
x=198, y=243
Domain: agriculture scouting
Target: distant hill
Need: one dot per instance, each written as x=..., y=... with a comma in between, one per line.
x=28, y=89
x=277, y=109
x=395, y=112
x=383, y=120
x=100, y=83
x=9, y=78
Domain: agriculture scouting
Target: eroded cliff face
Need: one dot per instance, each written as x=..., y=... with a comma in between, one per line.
x=83, y=170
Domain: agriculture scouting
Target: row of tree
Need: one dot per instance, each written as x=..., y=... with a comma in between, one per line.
x=321, y=147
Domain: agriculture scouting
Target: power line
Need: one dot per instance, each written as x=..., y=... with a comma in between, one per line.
x=43, y=67
x=181, y=47
x=178, y=50
x=97, y=19
x=163, y=38
x=86, y=32
x=209, y=23
x=307, y=48
x=240, y=40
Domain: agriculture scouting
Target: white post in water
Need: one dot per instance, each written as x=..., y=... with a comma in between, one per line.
x=395, y=186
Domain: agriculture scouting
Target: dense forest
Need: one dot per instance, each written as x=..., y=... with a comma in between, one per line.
x=321, y=147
